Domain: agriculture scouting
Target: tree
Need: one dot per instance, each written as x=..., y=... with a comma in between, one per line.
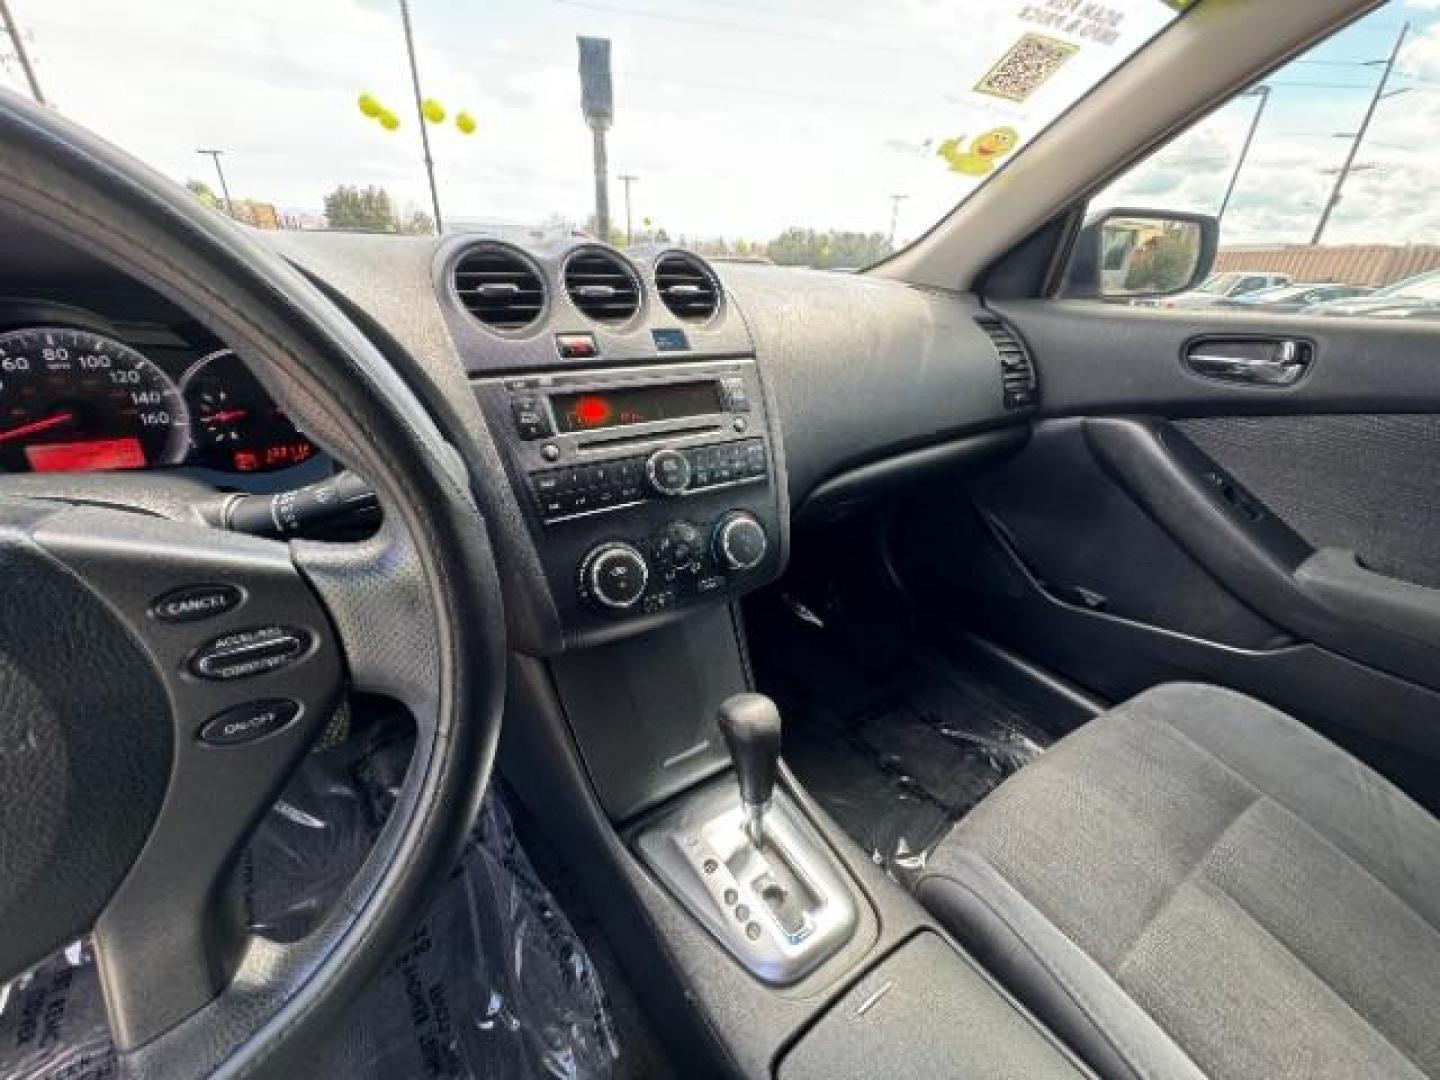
x=418, y=223
x=360, y=210
x=616, y=237
x=204, y=192
x=827, y=250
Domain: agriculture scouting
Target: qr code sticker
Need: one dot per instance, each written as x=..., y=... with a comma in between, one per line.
x=1030, y=61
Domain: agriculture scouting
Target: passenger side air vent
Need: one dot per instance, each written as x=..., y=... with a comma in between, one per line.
x=1017, y=373
x=603, y=286
x=687, y=286
x=500, y=287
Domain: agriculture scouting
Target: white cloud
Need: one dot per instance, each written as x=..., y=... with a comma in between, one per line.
x=740, y=119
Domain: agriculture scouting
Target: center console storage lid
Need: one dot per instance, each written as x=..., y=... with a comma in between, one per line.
x=928, y=1012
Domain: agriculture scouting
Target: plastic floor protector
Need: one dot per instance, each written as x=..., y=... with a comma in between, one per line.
x=896, y=739
x=493, y=983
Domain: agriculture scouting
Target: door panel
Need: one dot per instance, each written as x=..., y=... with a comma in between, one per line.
x=1284, y=540
x=1367, y=483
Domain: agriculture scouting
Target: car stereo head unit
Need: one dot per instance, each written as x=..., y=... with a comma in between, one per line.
x=646, y=488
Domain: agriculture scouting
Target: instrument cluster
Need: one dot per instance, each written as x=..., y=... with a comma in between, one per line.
x=73, y=398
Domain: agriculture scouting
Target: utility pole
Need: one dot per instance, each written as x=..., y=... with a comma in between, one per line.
x=1263, y=93
x=597, y=103
x=420, y=114
x=627, y=179
x=1346, y=168
x=215, y=156
x=13, y=32
x=895, y=201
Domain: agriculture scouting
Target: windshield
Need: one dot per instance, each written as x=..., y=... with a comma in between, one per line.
x=818, y=132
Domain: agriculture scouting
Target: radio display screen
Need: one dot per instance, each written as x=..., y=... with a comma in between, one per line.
x=595, y=410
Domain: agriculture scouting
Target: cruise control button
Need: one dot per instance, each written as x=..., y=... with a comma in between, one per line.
x=195, y=602
x=250, y=652
x=253, y=720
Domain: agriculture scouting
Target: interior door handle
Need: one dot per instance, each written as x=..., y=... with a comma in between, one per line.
x=1259, y=362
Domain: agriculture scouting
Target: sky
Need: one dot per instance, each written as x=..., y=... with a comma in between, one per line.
x=740, y=118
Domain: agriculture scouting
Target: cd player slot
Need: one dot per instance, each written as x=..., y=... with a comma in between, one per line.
x=649, y=436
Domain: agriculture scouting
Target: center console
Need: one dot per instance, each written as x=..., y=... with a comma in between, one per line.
x=648, y=489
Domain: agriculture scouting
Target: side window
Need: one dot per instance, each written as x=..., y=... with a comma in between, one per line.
x=1324, y=174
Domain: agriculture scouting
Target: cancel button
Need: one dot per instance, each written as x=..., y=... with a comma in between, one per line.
x=254, y=719
x=194, y=602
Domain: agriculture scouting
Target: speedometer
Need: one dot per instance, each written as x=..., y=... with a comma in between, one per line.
x=72, y=400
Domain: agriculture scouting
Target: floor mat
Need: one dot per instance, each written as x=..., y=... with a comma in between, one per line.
x=895, y=736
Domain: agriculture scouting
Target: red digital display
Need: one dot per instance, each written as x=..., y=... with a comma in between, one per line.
x=272, y=456
x=122, y=453
x=591, y=410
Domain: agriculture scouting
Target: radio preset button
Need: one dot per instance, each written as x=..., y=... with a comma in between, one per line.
x=668, y=472
x=531, y=420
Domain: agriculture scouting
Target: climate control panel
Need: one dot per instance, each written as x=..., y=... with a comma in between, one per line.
x=681, y=560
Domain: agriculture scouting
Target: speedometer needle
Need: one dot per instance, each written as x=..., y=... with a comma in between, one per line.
x=224, y=416
x=35, y=427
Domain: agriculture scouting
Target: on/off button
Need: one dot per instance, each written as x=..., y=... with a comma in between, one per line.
x=245, y=723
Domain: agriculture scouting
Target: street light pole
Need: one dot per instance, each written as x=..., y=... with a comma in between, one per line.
x=215, y=156
x=420, y=114
x=1347, y=167
x=13, y=31
x=1263, y=93
x=627, y=179
x=895, y=201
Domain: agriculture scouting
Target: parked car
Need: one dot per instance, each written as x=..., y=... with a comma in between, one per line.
x=1218, y=288
x=1416, y=297
x=1295, y=296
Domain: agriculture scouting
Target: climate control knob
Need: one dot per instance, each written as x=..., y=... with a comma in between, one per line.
x=614, y=576
x=668, y=472
x=739, y=542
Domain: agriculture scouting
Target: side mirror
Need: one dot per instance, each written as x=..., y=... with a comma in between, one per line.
x=1125, y=254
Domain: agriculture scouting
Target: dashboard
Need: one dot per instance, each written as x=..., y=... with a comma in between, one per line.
x=83, y=391
x=640, y=427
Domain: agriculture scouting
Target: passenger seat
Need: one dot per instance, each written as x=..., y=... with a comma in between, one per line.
x=1196, y=885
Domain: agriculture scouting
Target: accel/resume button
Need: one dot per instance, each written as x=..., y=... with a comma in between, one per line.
x=249, y=652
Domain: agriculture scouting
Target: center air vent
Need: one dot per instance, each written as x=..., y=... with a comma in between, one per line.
x=687, y=287
x=603, y=286
x=1017, y=373
x=499, y=287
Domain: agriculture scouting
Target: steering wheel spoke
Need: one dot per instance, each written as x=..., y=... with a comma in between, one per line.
x=249, y=661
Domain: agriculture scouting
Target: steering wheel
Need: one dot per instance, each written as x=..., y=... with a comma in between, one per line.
x=145, y=732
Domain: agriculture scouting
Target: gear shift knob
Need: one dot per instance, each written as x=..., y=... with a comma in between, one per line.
x=750, y=724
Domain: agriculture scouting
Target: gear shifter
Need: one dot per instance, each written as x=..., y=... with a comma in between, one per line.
x=757, y=875
x=750, y=724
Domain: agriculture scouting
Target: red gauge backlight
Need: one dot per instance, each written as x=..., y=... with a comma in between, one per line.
x=122, y=453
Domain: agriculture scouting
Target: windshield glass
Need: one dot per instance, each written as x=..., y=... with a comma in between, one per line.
x=821, y=132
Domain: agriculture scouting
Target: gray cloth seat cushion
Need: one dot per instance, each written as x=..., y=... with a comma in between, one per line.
x=1196, y=885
